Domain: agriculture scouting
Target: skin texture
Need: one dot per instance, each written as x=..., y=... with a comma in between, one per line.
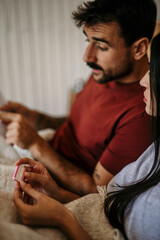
x=40, y=179
x=107, y=50
x=145, y=82
x=113, y=60
x=46, y=212
x=106, y=47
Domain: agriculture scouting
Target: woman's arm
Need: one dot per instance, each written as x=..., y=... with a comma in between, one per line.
x=46, y=212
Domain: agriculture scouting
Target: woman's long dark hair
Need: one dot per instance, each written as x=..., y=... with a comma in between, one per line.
x=117, y=202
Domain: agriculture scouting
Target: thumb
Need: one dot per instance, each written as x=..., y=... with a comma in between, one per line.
x=8, y=117
x=29, y=190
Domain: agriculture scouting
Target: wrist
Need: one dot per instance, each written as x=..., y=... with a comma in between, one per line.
x=37, y=146
x=68, y=222
x=72, y=228
x=32, y=115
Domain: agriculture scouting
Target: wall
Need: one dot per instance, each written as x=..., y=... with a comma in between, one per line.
x=158, y=8
x=41, y=53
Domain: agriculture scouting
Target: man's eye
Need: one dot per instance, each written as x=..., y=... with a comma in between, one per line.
x=101, y=48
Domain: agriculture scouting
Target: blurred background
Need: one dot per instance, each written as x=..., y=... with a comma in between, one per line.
x=41, y=53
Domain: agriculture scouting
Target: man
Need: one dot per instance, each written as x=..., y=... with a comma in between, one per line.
x=107, y=127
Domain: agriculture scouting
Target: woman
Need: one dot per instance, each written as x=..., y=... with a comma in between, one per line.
x=134, y=208
x=133, y=200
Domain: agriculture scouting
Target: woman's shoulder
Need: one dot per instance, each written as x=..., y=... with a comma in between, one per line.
x=134, y=171
x=144, y=220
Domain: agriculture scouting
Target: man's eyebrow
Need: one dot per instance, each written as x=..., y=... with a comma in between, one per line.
x=102, y=40
x=99, y=39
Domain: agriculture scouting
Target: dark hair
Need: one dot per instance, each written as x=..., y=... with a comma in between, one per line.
x=136, y=18
x=117, y=202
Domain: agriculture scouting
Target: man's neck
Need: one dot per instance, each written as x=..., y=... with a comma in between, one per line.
x=139, y=70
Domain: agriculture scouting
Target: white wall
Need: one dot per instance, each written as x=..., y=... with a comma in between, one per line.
x=158, y=8
x=41, y=52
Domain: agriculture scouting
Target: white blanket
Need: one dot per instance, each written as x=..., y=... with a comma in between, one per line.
x=88, y=210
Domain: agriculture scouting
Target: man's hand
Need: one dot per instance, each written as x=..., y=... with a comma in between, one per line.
x=21, y=109
x=15, y=107
x=37, y=120
x=19, y=130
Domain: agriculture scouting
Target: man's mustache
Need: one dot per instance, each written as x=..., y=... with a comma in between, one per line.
x=94, y=65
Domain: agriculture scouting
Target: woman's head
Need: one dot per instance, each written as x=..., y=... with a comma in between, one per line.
x=151, y=81
x=117, y=202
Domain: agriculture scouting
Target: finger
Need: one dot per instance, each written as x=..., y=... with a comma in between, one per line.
x=11, y=140
x=28, y=161
x=4, y=107
x=34, y=177
x=29, y=168
x=9, y=106
x=17, y=195
x=27, y=199
x=8, y=117
x=12, y=125
x=29, y=190
x=12, y=132
x=17, y=198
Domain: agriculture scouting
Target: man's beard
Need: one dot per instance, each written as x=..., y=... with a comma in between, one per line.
x=113, y=75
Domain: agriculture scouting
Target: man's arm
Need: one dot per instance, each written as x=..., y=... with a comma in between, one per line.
x=37, y=119
x=68, y=175
x=19, y=131
x=46, y=121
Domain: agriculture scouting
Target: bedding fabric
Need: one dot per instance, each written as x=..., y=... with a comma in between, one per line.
x=88, y=209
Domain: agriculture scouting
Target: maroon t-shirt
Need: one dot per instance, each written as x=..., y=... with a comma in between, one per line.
x=107, y=123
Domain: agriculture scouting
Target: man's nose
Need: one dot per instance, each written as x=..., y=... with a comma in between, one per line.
x=90, y=54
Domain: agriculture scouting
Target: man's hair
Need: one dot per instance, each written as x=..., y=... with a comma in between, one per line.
x=136, y=18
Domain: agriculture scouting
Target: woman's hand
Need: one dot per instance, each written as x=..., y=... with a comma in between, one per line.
x=46, y=212
x=39, y=178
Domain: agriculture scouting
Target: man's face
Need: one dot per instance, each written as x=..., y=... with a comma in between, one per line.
x=106, y=53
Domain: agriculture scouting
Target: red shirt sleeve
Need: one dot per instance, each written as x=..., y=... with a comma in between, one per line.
x=127, y=144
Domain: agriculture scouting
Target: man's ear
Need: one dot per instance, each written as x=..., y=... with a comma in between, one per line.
x=140, y=48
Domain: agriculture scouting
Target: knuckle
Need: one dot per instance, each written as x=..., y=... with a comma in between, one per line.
x=19, y=117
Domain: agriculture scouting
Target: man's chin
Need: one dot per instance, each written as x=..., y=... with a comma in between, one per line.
x=99, y=78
